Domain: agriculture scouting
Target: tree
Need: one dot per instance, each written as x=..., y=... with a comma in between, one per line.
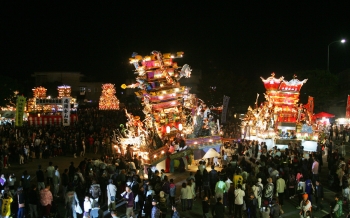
x=321, y=84
x=7, y=91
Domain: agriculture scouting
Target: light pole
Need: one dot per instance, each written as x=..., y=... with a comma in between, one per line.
x=341, y=41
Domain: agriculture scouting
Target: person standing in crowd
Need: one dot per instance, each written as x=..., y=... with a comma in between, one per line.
x=96, y=211
x=95, y=191
x=172, y=191
x=87, y=204
x=337, y=210
x=206, y=184
x=237, y=179
x=309, y=188
x=65, y=182
x=258, y=191
x=213, y=178
x=252, y=204
x=305, y=205
x=40, y=178
x=231, y=198
x=155, y=210
x=11, y=183
x=21, y=203
x=281, y=187
x=163, y=204
x=128, y=196
x=183, y=197
x=205, y=207
x=319, y=195
x=275, y=209
x=219, y=210
x=175, y=212
x=6, y=205
x=46, y=200
x=268, y=190
x=33, y=202
x=71, y=199
x=220, y=189
x=50, y=173
x=56, y=182
x=111, y=195
x=239, y=194
x=314, y=169
x=190, y=194
x=198, y=178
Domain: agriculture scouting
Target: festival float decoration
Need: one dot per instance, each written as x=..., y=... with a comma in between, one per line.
x=108, y=100
x=281, y=117
x=171, y=111
x=43, y=109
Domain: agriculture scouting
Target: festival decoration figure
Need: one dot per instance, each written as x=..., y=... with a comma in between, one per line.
x=108, y=100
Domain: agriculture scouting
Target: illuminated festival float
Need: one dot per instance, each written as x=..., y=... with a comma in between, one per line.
x=175, y=120
x=281, y=119
x=43, y=109
x=108, y=100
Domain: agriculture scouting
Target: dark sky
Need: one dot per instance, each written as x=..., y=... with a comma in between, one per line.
x=247, y=38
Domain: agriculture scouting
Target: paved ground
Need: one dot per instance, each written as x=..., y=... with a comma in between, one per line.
x=64, y=161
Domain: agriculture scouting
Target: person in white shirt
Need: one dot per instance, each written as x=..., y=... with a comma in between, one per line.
x=50, y=172
x=239, y=194
x=281, y=187
x=278, y=153
x=300, y=189
x=305, y=206
x=258, y=189
x=87, y=204
x=111, y=193
x=56, y=181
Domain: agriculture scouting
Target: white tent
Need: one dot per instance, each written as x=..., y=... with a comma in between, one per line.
x=211, y=153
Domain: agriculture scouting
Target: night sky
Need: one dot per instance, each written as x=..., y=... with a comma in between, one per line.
x=248, y=38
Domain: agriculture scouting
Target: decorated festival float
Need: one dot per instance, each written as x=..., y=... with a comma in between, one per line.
x=175, y=124
x=281, y=119
x=43, y=109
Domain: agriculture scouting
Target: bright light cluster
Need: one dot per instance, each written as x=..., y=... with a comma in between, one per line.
x=108, y=100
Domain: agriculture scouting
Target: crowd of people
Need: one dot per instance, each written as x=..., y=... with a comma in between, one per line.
x=257, y=181
x=253, y=180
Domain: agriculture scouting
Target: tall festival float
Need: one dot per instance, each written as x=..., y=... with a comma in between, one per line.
x=172, y=114
x=281, y=119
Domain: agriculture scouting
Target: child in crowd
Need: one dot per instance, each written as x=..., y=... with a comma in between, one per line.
x=87, y=204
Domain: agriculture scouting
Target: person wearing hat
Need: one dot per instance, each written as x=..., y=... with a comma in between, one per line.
x=258, y=191
x=305, y=205
x=111, y=194
x=155, y=210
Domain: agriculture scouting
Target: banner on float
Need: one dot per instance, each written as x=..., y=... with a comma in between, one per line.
x=224, y=108
x=20, y=104
x=66, y=111
x=310, y=103
x=347, y=114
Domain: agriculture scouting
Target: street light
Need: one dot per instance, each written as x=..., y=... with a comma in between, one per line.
x=341, y=41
